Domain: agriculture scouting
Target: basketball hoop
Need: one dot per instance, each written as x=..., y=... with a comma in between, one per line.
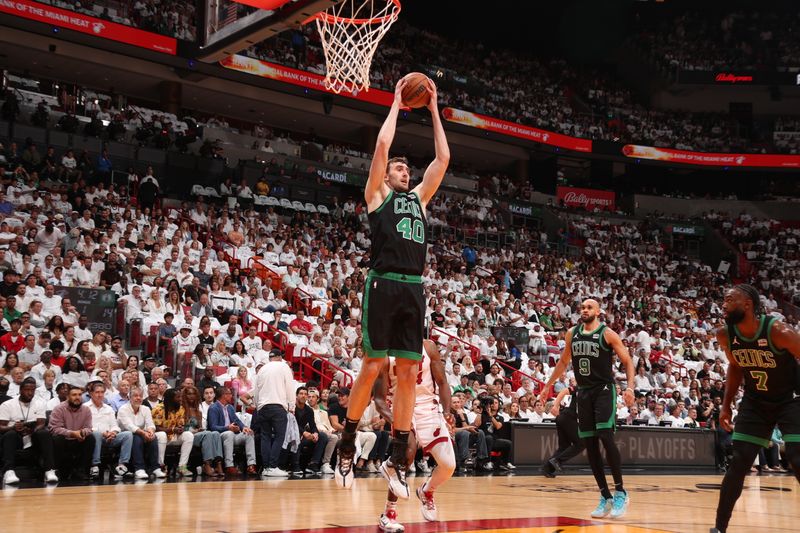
x=350, y=32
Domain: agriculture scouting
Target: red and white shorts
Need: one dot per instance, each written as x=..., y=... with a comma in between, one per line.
x=430, y=428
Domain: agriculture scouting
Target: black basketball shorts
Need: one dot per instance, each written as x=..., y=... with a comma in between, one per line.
x=394, y=315
x=757, y=418
x=597, y=409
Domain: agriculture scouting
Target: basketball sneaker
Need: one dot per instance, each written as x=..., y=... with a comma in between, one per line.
x=343, y=473
x=620, y=504
x=389, y=523
x=603, y=508
x=428, y=505
x=396, y=478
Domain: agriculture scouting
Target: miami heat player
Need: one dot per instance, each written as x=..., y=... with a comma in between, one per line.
x=431, y=429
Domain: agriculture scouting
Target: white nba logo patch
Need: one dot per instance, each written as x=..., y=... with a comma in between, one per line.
x=762, y=342
x=596, y=336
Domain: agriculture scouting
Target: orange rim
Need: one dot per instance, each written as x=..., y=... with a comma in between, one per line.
x=333, y=19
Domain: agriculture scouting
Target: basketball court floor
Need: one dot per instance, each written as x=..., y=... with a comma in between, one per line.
x=507, y=504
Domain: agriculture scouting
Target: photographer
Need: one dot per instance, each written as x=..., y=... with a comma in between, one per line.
x=489, y=421
x=467, y=435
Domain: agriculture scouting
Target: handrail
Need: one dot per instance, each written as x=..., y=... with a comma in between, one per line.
x=547, y=303
x=262, y=325
x=230, y=256
x=302, y=300
x=347, y=380
x=263, y=271
x=474, y=350
x=517, y=375
x=671, y=361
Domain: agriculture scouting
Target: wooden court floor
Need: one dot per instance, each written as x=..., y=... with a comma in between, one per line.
x=513, y=503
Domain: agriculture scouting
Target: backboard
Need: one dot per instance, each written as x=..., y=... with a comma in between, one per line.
x=229, y=27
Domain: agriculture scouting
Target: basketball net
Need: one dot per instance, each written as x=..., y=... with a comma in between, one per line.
x=350, y=32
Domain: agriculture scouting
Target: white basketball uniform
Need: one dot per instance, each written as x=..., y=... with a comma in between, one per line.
x=428, y=423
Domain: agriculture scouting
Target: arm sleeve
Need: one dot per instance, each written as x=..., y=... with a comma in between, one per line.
x=148, y=420
x=289, y=382
x=213, y=420
x=57, y=423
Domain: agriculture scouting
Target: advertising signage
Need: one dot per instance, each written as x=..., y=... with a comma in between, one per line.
x=301, y=78
x=588, y=199
x=380, y=97
x=733, y=77
x=89, y=25
x=475, y=120
x=710, y=159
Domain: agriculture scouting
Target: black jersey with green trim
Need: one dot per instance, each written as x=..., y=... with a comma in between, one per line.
x=399, y=235
x=591, y=357
x=769, y=374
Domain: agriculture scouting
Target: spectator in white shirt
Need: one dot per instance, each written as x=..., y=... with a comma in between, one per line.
x=39, y=370
x=106, y=431
x=138, y=419
x=274, y=396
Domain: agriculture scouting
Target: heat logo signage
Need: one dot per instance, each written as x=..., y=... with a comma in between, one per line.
x=652, y=153
x=89, y=25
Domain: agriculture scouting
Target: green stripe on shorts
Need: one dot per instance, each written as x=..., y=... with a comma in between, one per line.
x=754, y=440
x=394, y=276
x=586, y=434
x=791, y=438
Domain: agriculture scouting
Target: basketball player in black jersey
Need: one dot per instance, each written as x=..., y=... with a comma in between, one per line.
x=591, y=347
x=393, y=301
x=762, y=352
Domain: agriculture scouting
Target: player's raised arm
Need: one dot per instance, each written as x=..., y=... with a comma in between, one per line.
x=438, y=374
x=733, y=380
x=434, y=174
x=786, y=338
x=375, y=191
x=560, y=368
x=613, y=340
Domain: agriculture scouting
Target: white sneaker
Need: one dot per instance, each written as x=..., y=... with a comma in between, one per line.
x=389, y=523
x=141, y=474
x=159, y=474
x=10, y=478
x=50, y=477
x=428, y=506
x=412, y=468
x=343, y=473
x=373, y=469
x=326, y=469
x=121, y=470
x=396, y=478
x=94, y=472
x=277, y=472
x=423, y=467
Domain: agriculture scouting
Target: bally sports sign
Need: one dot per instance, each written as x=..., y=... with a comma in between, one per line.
x=589, y=199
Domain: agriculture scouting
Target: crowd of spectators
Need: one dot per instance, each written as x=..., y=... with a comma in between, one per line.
x=176, y=18
x=63, y=225
x=752, y=40
x=770, y=249
x=549, y=94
